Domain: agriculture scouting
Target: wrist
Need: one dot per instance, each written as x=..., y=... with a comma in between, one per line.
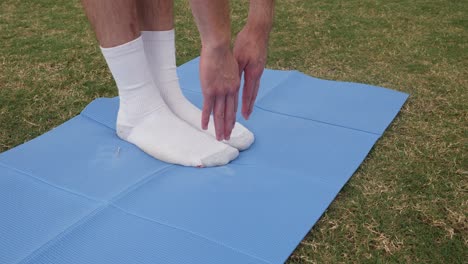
x=259, y=24
x=258, y=32
x=216, y=49
x=216, y=43
x=258, y=27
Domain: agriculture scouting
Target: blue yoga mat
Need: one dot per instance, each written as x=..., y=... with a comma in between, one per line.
x=79, y=194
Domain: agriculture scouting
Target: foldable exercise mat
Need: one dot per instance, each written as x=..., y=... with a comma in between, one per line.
x=79, y=194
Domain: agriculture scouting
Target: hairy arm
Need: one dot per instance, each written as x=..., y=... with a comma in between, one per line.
x=251, y=48
x=260, y=16
x=219, y=74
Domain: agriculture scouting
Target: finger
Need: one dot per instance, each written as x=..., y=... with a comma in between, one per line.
x=236, y=101
x=249, y=84
x=208, y=103
x=230, y=116
x=218, y=112
x=254, y=96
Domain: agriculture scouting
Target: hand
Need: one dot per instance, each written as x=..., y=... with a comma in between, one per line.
x=250, y=51
x=219, y=76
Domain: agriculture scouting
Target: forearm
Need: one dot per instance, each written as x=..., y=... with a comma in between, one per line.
x=250, y=50
x=213, y=22
x=260, y=19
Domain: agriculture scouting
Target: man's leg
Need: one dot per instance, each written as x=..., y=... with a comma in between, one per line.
x=157, y=25
x=156, y=15
x=144, y=119
x=114, y=21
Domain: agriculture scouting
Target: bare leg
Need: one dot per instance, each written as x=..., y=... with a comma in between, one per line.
x=115, y=22
x=156, y=15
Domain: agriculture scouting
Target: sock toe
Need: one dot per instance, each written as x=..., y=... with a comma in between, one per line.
x=242, y=141
x=220, y=158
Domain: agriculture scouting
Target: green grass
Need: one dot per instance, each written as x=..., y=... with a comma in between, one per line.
x=407, y=203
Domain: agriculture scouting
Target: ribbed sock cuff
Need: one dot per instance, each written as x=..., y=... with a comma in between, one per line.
x=158, y=35
x=131, y=46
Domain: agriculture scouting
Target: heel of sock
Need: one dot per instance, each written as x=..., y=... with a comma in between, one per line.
x=123, y=131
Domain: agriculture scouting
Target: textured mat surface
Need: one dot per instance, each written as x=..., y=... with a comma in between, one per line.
x=79, y=194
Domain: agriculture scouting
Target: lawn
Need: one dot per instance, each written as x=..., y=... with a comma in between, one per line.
x=408, y=202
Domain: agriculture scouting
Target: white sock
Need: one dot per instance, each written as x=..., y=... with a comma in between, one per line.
x=160, y=52
x=145, y=120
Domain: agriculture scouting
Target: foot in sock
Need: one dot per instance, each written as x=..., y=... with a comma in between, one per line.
x=160, y=52
x=163, y=135
x=146, y=121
